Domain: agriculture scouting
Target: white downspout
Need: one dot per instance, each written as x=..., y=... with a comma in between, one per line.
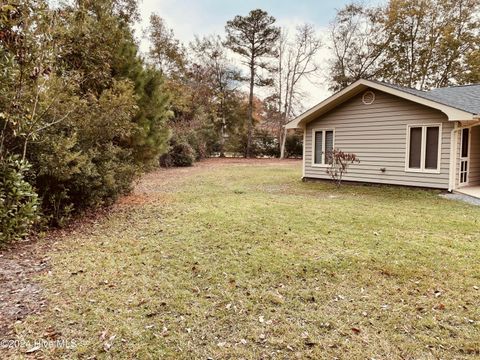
x=303, y=157
x=453, y=158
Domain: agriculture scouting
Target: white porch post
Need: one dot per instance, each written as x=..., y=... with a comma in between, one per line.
x=304, y=144
x=453, y=158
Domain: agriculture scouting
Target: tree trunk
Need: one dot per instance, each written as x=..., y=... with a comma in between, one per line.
x=250, y=112
x=222, y=139
x=283, y=141
x=222, y=129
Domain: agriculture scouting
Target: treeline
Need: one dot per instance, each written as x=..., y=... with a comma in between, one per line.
x=216, y=110
x=421, y=44
x=83, y=113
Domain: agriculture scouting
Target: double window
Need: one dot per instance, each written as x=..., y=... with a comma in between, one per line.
x=322, y=146
x=423, y=148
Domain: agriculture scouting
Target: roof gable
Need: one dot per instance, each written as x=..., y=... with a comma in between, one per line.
x=430, y=99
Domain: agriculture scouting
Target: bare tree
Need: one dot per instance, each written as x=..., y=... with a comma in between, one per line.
x=296, y=62
x=358, y=43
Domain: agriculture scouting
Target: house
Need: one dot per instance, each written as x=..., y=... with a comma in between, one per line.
x=402, y=136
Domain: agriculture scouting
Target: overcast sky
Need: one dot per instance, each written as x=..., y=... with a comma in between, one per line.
x=188, y=18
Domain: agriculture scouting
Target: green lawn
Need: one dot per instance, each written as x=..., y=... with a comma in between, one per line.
x=247, y=261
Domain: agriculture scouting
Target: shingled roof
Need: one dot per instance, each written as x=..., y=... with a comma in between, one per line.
x=466, y=97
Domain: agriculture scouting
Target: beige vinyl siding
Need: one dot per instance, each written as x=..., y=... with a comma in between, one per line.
x=474, y=176
x=377, y=133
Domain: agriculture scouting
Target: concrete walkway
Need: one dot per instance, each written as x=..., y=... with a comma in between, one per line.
x=462, y=197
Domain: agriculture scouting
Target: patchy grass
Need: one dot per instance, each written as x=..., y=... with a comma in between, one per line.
x=249, y=262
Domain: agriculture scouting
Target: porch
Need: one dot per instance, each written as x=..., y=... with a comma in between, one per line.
x=473, y=191
x=467, y=174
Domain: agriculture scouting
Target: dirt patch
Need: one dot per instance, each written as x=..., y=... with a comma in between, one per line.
x=20, y=296
x=23, y=261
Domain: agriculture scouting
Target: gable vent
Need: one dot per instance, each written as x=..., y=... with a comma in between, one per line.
x=368, y=97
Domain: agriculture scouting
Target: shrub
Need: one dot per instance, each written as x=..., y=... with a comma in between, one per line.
x=265, y=144
x=180, y=154
x=85, y=161
x=294, y=145
x=339, y=162
x=18, y=200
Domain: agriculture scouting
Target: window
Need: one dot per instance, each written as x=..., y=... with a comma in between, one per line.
x=415, y=148
x=465, y=136
x=423, y=148
x=322, y=146
x=464, y=161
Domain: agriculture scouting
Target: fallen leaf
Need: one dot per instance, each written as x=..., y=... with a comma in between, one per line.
x=356, y=330
x=108, y=344
x=32, y=350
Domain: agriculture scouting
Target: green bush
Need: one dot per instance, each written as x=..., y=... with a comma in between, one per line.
x=85, y=161
x=91, y=114
x=18, y=200
x=294, y=145
x=265, y=144
x=180, y=154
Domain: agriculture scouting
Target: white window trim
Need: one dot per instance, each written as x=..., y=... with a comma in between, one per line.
x=422, y=149
x=315, y=130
